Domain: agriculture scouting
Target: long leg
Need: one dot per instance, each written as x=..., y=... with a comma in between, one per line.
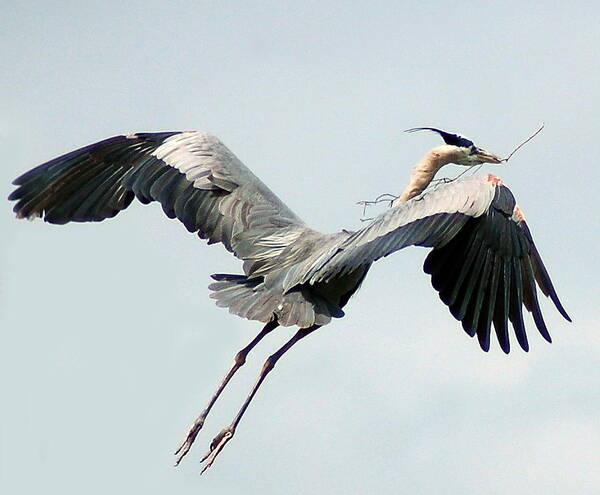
x=238, y=362
x=227, y=433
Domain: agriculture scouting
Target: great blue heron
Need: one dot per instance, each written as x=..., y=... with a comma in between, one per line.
x=483, y=261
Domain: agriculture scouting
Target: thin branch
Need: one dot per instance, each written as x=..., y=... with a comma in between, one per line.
x=523, y=143
x=379, y=199
x=446, y=180
x=435, y=183
x=382, y=198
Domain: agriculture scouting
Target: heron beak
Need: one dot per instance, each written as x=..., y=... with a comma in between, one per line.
x=486, y=157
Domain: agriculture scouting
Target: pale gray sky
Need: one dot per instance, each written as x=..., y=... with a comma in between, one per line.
x=110, y=345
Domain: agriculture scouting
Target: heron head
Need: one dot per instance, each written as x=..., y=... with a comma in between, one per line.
x=461, y=150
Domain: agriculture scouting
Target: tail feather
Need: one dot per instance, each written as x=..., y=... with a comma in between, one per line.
x=249, y=298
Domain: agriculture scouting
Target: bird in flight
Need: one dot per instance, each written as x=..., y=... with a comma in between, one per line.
x=482, y=259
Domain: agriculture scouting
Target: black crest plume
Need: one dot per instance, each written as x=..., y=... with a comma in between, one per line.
x=448, y=137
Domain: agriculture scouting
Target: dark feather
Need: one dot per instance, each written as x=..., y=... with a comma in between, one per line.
x=541, y=274
x=448, y=137
x=502, y=307
x=489, y=304
x=516, y=303
x=531, y=301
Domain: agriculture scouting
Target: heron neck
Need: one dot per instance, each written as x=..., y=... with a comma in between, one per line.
x=424, y=171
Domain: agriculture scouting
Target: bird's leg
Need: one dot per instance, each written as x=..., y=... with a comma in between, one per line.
x=227, y=433
x=238, y=362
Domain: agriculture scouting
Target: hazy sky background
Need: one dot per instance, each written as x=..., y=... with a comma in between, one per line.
x=110, y=345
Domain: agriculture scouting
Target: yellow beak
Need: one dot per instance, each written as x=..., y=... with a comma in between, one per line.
x=486, y=157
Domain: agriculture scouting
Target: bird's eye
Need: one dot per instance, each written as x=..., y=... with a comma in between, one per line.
x=473, y=150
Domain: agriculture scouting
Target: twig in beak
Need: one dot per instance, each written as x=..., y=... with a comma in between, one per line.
x=523, y=143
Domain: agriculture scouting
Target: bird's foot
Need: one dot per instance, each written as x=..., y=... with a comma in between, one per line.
x=216, y=446
x=186, y=445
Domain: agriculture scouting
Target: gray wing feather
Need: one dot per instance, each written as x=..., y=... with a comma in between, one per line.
x=428, y=221
x=192, y=174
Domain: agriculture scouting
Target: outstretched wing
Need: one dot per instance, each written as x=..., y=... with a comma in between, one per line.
x=484, y=263
x=192, y=174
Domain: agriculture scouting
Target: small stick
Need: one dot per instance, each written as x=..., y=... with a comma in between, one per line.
x=523, y=143
x=379, y=199
x=446, y=180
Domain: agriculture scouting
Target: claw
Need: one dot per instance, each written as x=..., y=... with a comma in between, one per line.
x=186, y=445
x=216, y=446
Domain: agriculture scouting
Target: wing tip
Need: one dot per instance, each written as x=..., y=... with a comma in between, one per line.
x=561, y=310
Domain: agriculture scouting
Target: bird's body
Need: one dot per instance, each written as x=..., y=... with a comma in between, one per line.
x=484, y=263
